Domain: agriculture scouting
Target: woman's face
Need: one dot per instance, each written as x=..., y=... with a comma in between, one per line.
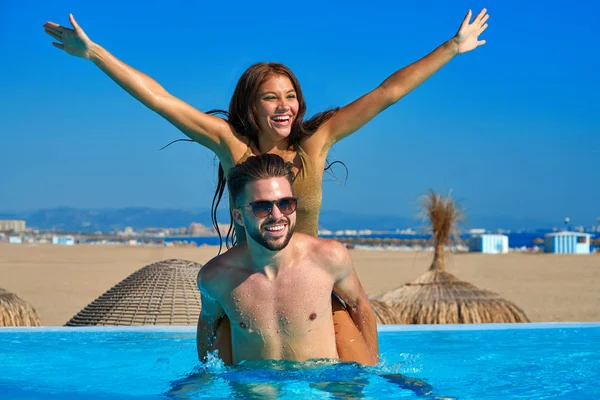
x=276, y=106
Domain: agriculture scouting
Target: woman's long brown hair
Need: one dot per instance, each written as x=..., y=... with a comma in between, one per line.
x=242, y=117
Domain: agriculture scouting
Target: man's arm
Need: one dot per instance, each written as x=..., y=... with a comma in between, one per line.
x=209, y=320
x=348, y=287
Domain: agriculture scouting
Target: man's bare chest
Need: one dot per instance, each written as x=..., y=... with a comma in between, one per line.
x=294, y=299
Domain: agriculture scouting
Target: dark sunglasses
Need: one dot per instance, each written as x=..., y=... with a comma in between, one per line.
x=264, y=208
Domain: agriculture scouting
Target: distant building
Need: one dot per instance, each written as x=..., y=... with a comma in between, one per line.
x=477, y=231
x=488, y=243
x=567, y=242
x=196, y=229
x=15, y=240
x=63, y=240
x=16, y=226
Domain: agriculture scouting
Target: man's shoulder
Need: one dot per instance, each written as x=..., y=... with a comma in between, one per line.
x=328, y=250
x=218, y=267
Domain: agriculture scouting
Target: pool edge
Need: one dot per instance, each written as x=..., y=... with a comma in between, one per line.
x=380, y=328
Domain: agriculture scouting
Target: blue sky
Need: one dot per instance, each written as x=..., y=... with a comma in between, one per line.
x=511, y=128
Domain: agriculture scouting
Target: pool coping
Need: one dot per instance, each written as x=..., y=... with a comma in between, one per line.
x=380, y=328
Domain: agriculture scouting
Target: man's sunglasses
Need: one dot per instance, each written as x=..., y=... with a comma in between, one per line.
x=264, y=208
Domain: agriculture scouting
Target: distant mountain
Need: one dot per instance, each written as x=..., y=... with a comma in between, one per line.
x=107, y=220
x=91, y=220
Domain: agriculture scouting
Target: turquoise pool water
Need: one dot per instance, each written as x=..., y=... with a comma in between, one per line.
x=529, y=361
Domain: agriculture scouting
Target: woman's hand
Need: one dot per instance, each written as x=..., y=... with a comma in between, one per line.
x=466, y=39
x=73, y=41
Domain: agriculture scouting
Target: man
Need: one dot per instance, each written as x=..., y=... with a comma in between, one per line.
x=276, y=286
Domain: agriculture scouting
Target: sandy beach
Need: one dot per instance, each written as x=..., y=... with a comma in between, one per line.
x=60, y=280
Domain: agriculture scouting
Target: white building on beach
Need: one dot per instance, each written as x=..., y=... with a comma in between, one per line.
x=15, y=240
x=567, y=243
x=488, y=243
x=63, y=240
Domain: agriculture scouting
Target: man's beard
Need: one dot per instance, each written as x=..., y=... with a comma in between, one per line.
x=273, y=244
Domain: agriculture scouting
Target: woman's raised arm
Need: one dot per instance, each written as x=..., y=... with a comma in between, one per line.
x=206, y=129
x=356, y=114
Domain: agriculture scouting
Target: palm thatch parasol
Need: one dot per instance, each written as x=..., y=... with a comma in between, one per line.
x=537, y=241
x=15, y=311
x=163, y=293
x=438, y=297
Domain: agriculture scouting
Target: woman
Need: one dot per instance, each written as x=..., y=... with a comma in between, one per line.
x=266, y=116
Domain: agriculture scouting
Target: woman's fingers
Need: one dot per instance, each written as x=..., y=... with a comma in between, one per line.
x=466, y=20
x=58, y=45
x=51, y=24
x=52, y=29
x=484, y=19
x=73, y=22
x=54, y=35
x=58, y=29
x=480, y=15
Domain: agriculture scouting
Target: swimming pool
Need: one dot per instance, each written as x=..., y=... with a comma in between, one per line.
x=519, y=361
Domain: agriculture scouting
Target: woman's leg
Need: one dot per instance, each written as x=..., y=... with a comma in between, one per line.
x=223, y=341
x=350, y=343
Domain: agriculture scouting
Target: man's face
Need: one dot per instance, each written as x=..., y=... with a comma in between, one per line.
x=274, y=230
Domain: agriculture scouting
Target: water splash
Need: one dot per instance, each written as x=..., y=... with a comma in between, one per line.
x=213, y=364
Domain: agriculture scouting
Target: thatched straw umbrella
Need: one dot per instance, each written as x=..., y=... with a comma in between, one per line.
x=15, y=311
x=163, y=293
x=537, y=241
x=438, y=297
